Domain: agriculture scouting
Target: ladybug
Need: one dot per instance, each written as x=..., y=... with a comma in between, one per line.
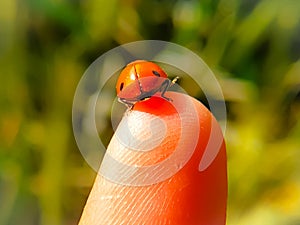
x=140, y=80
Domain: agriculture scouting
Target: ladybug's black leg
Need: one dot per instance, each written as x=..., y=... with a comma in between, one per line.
x=165, y=86
x=125, y=102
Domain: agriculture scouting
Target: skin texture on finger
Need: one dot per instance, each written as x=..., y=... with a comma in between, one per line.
x=189, y=196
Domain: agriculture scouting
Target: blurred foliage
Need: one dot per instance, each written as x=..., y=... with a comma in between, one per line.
x=252, y=46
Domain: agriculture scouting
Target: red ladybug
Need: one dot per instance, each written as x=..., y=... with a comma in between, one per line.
x=140, y=80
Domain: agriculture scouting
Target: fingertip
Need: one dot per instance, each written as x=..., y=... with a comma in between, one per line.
x=155, y=105
x=188, y=196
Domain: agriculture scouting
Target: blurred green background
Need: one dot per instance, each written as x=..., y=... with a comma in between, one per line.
x=252, y=46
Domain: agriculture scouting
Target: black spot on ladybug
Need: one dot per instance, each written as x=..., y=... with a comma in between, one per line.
x=156, y=73
x=121, y=86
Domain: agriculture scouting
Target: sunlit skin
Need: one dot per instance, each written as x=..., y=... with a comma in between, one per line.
x=188, y=197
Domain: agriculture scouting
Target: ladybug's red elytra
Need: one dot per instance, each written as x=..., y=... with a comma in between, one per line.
x=140, y=80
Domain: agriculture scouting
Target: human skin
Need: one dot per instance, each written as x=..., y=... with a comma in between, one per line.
x=190, y=196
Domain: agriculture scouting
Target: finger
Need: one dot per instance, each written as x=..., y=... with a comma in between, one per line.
x=189, y=196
